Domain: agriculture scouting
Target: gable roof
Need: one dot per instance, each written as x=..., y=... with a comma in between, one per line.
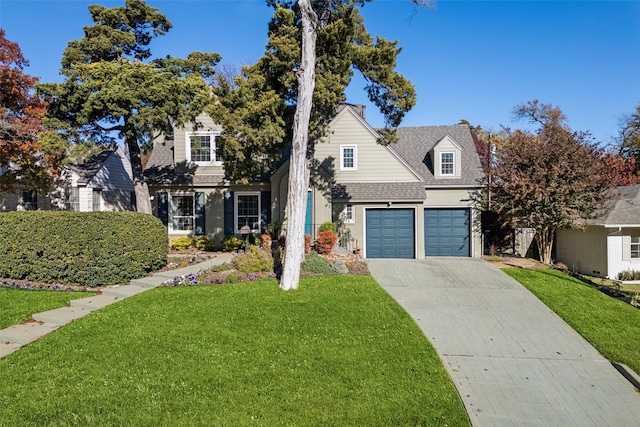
x=626, y=210
x=415, y=144
x=90, y=168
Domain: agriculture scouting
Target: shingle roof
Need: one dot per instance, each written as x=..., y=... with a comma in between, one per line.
x=626, y=210
x=87, y=170
x=379, y=191
x=415, y=143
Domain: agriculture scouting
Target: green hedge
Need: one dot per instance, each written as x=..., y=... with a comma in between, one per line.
x=81, y=248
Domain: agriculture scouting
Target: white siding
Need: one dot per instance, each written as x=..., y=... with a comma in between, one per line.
x=618, y=244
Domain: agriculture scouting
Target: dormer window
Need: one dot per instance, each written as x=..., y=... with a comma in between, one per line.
x=447, y=163
x=202, y=148
x=348, y=159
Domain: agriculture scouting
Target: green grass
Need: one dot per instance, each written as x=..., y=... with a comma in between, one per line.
x=611, y=326
x=17, y=305
x=338, y=351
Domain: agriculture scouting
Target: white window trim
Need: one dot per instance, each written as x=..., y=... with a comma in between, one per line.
x=631, y=244
x=355, y=158
x=453, y=169
x=170, y=208
x=214, y=136
x=235, y=209
x=349, y=218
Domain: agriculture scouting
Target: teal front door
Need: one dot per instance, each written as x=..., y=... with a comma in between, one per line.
x=308, y=219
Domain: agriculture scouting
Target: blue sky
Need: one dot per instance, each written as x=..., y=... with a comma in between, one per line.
x=473, y=60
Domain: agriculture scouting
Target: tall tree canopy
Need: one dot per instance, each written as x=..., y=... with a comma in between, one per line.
x=629, y=137
x=549, y=179
x=289, y=96
x=23, y=161
x=113, y=90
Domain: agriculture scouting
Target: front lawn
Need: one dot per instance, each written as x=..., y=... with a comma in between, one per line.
x=611, y=326
x=337, y=351
x=17, y=305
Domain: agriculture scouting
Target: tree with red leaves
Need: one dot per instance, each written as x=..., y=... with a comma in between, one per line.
x=549, y=179
x=23, y=164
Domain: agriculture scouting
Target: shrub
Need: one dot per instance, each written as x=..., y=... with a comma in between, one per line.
x=181, y=243
x=314, y=263
x=307, y=243
x=629, y=275
x=81, y=248
x=234, y=277
x=204, y=243
x=231, y=243
x=225, y=266
x=339, y=266
x=265, y=242
x=253, y=261
x=327, y=226
x=325, y=242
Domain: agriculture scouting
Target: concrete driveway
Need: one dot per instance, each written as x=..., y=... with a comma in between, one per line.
x=513, y=361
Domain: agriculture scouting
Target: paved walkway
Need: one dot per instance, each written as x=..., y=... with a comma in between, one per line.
x=513, y=361
x=15, y=337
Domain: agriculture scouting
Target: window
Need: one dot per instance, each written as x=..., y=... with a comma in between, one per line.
x=97, y=200
x=247, y=211
x=30, y=200
x=635, y=247
x=72, y=198
x=348, y=157
x=182, y=213
x=201, y=148
x=349, y=215
x=447, y=160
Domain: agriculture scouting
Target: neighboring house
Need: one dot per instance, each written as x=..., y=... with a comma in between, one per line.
x=608, y=246
x=103, y=183
x=407, y=200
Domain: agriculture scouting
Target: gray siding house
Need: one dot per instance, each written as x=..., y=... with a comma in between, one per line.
x=406, y=200
x=103, y=183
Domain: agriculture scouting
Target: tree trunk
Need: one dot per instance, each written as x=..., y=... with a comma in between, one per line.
x=544, y=239
x=143, y=199
x=298, y=168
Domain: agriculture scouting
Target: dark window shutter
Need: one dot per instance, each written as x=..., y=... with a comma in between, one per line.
x=228, y=213
x=163, y=207
x=200, y=203
x=265, y=207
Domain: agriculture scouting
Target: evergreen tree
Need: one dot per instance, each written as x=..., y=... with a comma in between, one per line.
x=289, y=96
x=113, y=90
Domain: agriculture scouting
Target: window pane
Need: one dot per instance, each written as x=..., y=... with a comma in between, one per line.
x=348, y=213
x=248, y=211
x=182, y=213
x=348, y=157
x=446, y=163
x=200, y=148
x=635, y=247
x=216, y=150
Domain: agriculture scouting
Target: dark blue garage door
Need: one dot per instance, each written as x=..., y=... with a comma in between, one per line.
x=390, y=233
x=447, y=232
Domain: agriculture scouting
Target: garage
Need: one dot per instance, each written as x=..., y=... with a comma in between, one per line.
x=447, y=232
x=390, y=233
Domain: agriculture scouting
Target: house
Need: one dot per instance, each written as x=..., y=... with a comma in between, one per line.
x=609, y=245
x=103, y=183
x=406, y=200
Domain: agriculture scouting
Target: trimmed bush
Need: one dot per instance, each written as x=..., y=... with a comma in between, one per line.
x=181, y=243
x=81, y=248
x=204, y=243
x=314, y=263
x=327, y=226
x=325, y=242
x=231, y=243
x=253, y=261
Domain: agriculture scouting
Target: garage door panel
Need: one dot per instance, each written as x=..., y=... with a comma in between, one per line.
x=447, y=232
x=390, y=233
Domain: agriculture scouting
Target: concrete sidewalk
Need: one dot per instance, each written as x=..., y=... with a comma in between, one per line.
x=15, y=337
x=513, y=361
